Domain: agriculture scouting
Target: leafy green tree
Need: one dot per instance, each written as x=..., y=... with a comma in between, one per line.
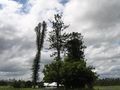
x=75, y=71
x=75, y=47
x=51, y=71
x=57, y=40
x=77, y=75
x=40, y=35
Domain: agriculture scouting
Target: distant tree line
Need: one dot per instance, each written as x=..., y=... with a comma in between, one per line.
x=28, y=84
x=19, y=83
x=108, y=82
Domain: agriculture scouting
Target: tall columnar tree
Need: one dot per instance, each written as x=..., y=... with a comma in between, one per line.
x=57, y=41
x=40, y=36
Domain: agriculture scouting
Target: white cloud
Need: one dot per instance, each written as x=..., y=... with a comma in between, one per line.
x=97, y=20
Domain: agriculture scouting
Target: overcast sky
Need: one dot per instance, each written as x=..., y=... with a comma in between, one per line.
x=97, y=20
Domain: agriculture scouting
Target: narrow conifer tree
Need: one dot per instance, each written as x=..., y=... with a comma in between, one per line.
x=40, y=36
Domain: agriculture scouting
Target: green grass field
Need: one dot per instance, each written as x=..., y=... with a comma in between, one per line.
x=107, y=88
x=96, y=88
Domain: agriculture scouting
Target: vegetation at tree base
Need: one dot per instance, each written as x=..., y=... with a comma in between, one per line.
x=57, y=40
x=40, y=35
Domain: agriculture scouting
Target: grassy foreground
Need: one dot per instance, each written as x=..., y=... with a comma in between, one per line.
x=107, y=88
x=96, y=88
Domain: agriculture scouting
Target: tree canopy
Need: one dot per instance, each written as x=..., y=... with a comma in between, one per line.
x=73, y=71
x=75, y=46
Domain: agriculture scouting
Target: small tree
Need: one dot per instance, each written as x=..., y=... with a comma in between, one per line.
x=40, y=35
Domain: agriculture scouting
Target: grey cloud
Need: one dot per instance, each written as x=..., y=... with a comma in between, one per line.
x=113, y=73
x=14, y=49
x=11, y=67
x=105, y=15
x=63, y=1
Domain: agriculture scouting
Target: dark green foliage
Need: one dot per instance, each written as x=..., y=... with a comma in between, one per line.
x=40, y=35
x=77, y=75
x=28, y=84
x=18, y=84
x=3, y=83
x=75, y=71
x=51, y=72
x=21, y=84
x=75, y=47
x=35, y=69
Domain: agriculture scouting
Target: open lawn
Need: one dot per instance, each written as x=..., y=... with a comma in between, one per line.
x=107, y=88
x=96, y=88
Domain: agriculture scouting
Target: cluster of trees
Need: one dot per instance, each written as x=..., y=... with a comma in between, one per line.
x=108, y=82
x=69, y=70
